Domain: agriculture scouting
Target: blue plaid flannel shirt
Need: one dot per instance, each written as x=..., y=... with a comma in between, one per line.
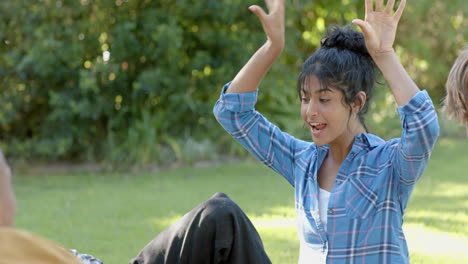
x=372, y=189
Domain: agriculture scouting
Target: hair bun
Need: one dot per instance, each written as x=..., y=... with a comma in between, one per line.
x=346, y=39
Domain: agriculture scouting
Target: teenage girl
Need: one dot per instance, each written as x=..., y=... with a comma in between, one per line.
x=351, y=187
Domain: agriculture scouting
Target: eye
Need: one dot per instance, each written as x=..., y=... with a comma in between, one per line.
x=324, y=100
x=304, y=100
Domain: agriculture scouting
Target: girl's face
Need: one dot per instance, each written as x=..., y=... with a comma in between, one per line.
x=323, y=111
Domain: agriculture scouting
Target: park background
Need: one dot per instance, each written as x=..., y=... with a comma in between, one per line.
x=106, y=117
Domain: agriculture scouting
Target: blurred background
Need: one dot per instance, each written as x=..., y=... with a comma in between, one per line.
x=106, y=117
x=133, y=82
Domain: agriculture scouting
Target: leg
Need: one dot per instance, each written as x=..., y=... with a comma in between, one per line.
x=216, y=231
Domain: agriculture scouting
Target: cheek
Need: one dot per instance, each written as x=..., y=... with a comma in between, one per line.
x=303, y=112
x=336, y=112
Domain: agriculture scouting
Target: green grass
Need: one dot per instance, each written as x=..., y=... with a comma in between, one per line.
x=112, y=216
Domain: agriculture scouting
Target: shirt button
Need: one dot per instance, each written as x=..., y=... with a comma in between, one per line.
x=330, y=211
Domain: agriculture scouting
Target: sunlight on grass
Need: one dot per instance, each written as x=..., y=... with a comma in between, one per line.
x=279, y=234
x=273, y=222
x=421, y=214
x=442, y=189
x=428, y=241
x=429, y=245
x=161, y=223
x=282, y=211
x=281, y=243
x=278, y=216
x=451, y=190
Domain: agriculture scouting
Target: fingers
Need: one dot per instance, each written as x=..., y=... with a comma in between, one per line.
x=369, y=6
x=379, y=5
x=258, y=11
x=274, y=6
x=269, y=4
x=400, y=9
x=388, y=9
x=361, y=24
x=390, y=5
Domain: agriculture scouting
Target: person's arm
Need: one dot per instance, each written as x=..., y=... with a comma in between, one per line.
x=250, y=76
x=235, y=108
x=379, y=29
x=416, y=110
x=7, y=197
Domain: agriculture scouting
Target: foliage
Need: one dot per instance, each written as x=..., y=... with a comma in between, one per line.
x=132, y=81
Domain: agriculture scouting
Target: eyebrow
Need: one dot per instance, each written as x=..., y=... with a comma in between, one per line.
x=322, y=90
x=326, y=89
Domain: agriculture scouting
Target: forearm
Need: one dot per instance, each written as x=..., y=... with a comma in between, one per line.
x=401, y=84
x=264, y=140
x=420, y=131
x=7, y=199
x=7, y=210
x=249, y=77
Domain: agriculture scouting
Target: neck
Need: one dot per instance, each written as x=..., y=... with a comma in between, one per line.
x=340, y=148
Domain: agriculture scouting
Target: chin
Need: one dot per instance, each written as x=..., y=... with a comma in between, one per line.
x=319, y=142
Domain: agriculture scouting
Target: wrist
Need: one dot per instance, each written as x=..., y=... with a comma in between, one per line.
x=274, y=47
x=383, y=56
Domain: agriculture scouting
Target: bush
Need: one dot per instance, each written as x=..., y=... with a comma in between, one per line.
x=120, y=80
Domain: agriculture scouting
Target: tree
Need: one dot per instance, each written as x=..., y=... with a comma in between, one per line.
x=131, y=81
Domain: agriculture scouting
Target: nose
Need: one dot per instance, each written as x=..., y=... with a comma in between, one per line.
x=312, y=110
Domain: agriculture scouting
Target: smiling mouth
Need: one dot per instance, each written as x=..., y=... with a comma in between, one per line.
x=317, y=127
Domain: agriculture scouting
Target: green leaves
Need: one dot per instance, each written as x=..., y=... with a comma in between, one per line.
x=111, y=80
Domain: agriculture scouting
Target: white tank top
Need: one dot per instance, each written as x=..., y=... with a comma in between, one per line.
x=306, y=254
x=324, y=197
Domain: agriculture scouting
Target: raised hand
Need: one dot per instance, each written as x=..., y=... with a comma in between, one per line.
x=250, y=76
x=273, y=22
x=380, y=25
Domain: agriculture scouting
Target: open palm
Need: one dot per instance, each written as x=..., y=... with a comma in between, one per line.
x=273, y=22
x=380, y=25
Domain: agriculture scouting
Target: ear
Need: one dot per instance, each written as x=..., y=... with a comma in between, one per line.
x=359, y=102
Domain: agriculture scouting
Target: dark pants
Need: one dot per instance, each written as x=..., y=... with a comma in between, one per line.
x=216, y=231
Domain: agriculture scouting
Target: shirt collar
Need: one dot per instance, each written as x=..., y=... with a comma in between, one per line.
x=361, y=140
x=370, y=140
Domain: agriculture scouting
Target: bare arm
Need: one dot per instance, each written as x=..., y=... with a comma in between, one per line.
x=379, y=29
x=250, y=76
x=7, y=197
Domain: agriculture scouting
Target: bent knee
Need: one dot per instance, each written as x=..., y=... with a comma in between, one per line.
x=220, y=204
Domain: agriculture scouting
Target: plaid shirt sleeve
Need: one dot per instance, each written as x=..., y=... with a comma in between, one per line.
x=236, y=114
x=420, y=132
x=85, y=258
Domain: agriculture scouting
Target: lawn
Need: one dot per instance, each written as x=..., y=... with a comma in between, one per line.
x=112, y=216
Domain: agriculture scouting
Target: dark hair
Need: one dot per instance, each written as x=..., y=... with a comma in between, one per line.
x=342, y=62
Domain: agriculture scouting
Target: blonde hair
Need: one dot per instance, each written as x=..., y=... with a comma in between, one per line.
x=456, y=101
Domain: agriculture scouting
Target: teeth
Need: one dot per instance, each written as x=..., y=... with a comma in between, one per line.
x=317, y=126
